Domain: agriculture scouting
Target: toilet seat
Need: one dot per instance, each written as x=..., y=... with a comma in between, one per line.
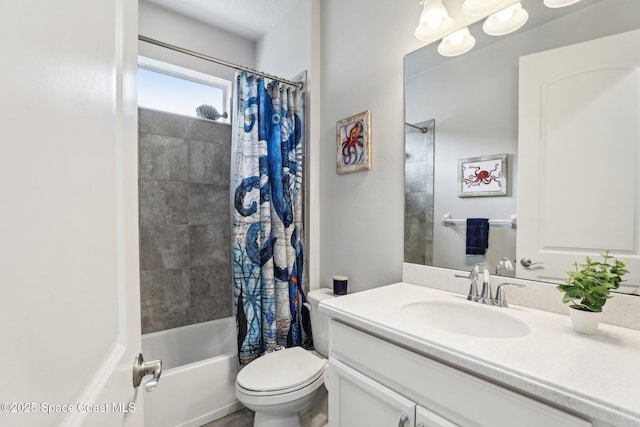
x=269, y=401
x=281, y=372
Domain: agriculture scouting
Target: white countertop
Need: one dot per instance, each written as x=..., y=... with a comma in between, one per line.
x=598, y=376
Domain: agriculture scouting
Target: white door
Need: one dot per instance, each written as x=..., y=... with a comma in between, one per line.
x=357, y=400
x=69, y=299
x=579, y=156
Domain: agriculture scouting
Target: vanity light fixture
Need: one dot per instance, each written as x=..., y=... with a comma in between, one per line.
x=559, y=3
x=434, y=21
x=481, y=7
x=457, y=43
x=506, y=21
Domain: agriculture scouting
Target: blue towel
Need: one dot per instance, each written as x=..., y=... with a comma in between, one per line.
x=477, y=236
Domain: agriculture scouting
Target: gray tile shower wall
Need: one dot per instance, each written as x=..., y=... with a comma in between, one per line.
x=185, y=255
x=418, y=197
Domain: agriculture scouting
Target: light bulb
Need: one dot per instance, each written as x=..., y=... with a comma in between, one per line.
x=434, y=22
x=433, y=13
x=456, y=38
x=457, y=43
x=505, y=15
x=506, y=20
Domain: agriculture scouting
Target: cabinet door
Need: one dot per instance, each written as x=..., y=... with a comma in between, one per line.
x=357, y=400
x=426, y=418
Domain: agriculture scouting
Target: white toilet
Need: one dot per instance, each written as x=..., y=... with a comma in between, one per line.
x=283, y=385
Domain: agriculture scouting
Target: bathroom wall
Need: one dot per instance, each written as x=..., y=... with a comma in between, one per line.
x=361, y=214
x=292, y=31
x=169, y=27
x=185, y=255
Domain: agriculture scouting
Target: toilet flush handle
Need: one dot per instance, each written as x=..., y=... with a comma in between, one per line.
x=142, y=368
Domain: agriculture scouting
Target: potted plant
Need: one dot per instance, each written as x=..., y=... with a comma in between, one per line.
x=587, y=290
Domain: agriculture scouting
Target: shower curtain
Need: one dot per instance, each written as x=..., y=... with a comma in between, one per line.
x=268, y=229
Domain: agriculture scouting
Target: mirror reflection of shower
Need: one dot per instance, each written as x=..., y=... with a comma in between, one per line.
x=418, y=192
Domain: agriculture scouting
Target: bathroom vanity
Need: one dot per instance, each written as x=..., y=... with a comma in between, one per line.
x=409, y=355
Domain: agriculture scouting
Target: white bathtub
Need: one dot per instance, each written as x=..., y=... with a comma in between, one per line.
x=199, y=367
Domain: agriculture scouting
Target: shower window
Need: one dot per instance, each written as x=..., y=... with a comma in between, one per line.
x=178, y=90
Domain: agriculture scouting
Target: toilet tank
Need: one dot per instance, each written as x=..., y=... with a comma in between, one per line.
x=319, y=321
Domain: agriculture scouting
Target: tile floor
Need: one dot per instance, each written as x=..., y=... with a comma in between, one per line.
x=242, y=418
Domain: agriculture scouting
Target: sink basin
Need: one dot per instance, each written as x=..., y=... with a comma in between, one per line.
x=466, y=318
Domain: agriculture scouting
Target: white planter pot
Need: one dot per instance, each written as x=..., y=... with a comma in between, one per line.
x=584, y=322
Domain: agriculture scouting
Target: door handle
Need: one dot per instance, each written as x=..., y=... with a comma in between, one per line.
x=526, y=262
x=403, y=419
x=142, y=368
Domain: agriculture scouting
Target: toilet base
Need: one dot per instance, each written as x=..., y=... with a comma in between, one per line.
x=263, y=419
x=314, y=414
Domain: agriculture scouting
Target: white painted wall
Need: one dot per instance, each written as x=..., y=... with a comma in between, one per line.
x=285, y=49
x=160, y=24
x=361, y=214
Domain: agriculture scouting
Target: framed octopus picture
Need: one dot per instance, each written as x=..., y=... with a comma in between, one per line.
x=353, y=138
x=483, y=176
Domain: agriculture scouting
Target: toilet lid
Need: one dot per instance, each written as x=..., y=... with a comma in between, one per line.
x=280, y=370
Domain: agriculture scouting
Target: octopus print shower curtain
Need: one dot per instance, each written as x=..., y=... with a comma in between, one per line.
x=268, y=229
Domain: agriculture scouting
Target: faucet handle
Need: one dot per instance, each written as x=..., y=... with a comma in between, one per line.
x=505, y=264
x=500, y=299
x=485, y=294
x=473, y=286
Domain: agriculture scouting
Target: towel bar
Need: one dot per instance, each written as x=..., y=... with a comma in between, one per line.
x=513, y=222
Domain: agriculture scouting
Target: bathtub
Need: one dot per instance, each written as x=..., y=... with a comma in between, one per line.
x=199, y=367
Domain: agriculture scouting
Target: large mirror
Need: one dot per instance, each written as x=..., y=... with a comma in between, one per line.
x=462, y=113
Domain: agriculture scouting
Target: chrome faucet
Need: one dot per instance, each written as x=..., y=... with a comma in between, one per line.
x=505, y=264
x=474, y=276
x=473, y=287
x=500, y=300
x=485, y=296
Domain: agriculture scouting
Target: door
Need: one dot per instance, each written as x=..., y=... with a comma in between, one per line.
x=579, y=156
x=68, y=224
x=357, y=400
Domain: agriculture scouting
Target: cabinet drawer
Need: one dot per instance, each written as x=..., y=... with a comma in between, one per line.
x=456, y=395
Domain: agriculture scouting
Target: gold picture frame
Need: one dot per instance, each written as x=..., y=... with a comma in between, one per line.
x=353, y=143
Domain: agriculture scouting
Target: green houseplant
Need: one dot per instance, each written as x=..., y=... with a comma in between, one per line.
x=587, y=288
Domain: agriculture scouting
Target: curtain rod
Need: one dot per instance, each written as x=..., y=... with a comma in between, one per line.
x=421, y=129
x=217, y=61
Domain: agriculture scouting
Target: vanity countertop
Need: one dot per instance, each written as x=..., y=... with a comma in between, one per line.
x=598, y=375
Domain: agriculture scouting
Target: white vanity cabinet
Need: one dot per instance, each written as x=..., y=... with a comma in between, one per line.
x=427, y=418
x=373, y=382
x=357, y=400
x=361, y=401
